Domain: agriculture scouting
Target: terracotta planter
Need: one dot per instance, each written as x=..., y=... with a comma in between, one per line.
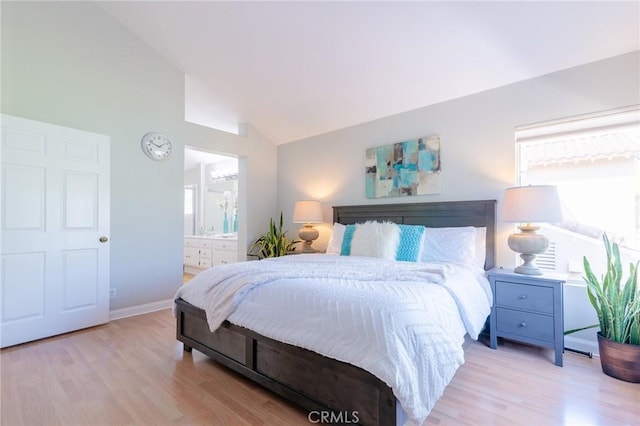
x=619, y=360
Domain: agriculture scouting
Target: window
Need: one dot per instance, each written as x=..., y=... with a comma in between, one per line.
x=595, y=162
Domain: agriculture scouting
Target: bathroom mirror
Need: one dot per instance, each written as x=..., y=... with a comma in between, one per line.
x=221, y=201
x=190, y=194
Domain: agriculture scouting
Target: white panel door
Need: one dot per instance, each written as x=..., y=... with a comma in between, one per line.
x=54, y=268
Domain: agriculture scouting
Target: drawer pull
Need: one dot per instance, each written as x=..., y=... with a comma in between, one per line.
x=522, y=297
x=522, y=324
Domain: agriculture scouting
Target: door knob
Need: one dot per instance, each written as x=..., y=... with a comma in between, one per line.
x=103, y=239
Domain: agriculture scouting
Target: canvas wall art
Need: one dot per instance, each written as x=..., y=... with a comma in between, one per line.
x=404, y=168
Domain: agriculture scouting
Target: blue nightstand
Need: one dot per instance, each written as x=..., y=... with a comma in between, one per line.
x=527, y=309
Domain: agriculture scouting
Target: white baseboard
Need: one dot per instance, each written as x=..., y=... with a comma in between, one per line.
x=140, y=309
x=581, y=345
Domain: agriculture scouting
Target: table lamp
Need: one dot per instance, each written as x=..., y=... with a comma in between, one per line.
x=307, y=212
x=527, y=204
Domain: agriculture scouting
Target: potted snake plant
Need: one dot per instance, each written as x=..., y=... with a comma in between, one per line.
x=273, y=243
x=617, y=304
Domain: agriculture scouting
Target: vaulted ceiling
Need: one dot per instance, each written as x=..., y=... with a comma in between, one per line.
x=297, y=69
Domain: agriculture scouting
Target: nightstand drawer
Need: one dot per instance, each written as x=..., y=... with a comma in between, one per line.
x=523, y=296
x=525, y=324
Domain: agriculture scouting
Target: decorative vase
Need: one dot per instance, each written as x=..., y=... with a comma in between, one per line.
x=619, y=360
x=235, y=222
x=225, y=224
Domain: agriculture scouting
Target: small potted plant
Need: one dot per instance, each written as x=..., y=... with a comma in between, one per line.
x=617, y=303
x=274, y=243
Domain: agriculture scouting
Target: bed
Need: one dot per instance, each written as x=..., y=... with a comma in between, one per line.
x=315, y=382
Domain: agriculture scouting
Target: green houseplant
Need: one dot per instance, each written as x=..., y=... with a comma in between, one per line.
x=617, y=304
x=273, y=243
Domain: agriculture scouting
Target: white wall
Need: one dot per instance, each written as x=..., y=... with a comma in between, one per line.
x=477, y=134
x=71, y=64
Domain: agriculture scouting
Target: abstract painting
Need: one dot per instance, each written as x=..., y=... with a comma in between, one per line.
x=404, y=168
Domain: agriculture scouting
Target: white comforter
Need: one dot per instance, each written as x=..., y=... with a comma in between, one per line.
x=403, y=322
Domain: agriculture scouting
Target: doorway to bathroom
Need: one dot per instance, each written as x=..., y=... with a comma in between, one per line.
x=210, y=210
x=210, y=193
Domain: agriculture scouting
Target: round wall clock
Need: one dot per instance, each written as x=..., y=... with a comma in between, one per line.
x=156, y=146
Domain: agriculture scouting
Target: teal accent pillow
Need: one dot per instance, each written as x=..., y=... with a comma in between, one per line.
x=345, y=250
x=411, y=243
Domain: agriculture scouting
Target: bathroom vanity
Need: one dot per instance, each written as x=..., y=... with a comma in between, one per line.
x=202, y=252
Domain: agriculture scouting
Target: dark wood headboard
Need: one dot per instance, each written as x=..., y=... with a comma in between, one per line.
x=434, y=215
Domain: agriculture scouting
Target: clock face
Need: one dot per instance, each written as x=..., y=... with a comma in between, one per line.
x=156, y=146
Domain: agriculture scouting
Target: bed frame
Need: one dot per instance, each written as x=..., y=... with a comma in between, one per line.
x=310, y=380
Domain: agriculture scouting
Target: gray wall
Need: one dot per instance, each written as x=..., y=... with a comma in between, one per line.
x=71, y=64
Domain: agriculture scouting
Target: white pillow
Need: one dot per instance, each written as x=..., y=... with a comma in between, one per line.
x=481, y=246
x=335, y=241
x=337, y=234
x=376, y=239
x=452, y=245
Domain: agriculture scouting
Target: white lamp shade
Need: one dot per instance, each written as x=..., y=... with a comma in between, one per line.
x=535, y=203
x=307, y=212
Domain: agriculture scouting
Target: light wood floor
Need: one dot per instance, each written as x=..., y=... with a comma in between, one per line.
x=133, y=372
